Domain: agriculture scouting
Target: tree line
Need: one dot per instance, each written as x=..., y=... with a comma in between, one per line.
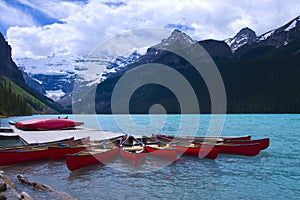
x=12, y=104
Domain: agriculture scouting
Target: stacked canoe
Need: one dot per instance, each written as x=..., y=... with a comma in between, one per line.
x=46, y=124
x=83, y=152
x=25, y=153
x=227, y=145
x=92, y=154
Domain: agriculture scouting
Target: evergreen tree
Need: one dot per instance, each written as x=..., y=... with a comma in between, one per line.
x=12, y=104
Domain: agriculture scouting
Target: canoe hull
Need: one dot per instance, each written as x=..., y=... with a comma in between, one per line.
x=132, y=150
x=200, y=138
x=60, y=151
x=47, y=124
x=75, y=161
x=27, y=153
x=264, y=143
x=57, y=153
x=237, y=149
x=165, y=154
x=15, y=157
x=240, y=149
x=134, y=158
x=36, y=144
x=201, y=152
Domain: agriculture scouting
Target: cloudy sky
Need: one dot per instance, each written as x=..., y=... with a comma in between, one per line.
x=39, y=28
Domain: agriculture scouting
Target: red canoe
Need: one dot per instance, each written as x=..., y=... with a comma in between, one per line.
x=36, y=144
x=201, y=138
x=264, y=143
x=222, y=138
x=132, y=150
x=247, y=149
x=239, y=149
x=47, y=124
x=98, y=154
x=23, y=155
x=246, y=137
x=60, y=152
x=194, y=150
x=187, y=147
x=28, y=153
x=160, y=149
x=57, y=153
x=166, y=153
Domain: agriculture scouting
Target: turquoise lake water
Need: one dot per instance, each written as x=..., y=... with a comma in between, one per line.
x=273, y=174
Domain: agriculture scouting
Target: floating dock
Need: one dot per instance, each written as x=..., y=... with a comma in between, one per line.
x=30, y=137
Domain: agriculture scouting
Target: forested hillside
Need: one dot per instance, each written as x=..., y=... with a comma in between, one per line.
x=265, y=79
x=15, y=101
x=16, y=97
x=12, y=103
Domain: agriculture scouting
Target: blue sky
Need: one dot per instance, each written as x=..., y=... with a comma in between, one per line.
x=39, y=28
x=38, y=17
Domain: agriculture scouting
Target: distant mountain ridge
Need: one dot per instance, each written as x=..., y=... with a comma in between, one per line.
x=17, y=92
x=248, y=64
x=260, y=73
x=246, y=39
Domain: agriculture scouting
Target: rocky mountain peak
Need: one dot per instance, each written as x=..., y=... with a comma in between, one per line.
x=176, y=40
x=8, y=67
x=244, y=36
x=5, y=49
x=275, y=38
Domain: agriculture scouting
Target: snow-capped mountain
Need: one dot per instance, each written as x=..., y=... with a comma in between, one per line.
x=177, y=40
x=282, y=35
x=244, y=36
x=118, y=64
x=161, y=53
x=54, y=76
x=107, y=64
x=275, y=38
x=257, y=73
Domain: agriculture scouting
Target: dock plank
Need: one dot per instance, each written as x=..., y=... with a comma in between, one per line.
x=30, y=137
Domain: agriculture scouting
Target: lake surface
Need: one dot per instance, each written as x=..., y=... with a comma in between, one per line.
x=273, y=174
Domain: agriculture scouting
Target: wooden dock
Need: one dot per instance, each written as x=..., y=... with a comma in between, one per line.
x=30, y=137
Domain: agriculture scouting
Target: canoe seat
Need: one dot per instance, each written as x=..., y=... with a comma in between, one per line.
x=93, y=143
x=98, y=150
x=133, y=148
x=153, y=145
x=192, y=145
x=93, y=151
x=160, y=146
x=31, y=149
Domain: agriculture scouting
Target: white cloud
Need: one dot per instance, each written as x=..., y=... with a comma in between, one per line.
x=11, y=16
x=86, y=25
x=56, y=9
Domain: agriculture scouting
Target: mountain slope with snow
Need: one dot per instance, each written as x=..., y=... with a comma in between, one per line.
x=54, y=76
x=246, y=39
x=243, y=37
x=16, y=97
x=262, y=80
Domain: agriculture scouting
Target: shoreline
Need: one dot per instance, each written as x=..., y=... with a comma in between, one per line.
x=9, y=190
